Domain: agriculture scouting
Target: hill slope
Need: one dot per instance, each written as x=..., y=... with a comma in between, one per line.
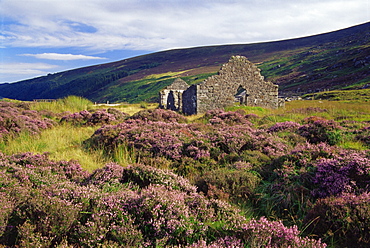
x=335, y=60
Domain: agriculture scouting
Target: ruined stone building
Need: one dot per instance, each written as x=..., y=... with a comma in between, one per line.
x=171, y=96
x=238, y=82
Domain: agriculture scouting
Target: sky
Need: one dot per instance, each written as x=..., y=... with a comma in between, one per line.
x=38, y=37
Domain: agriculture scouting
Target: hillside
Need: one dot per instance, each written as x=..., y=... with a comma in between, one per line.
x=335, y=60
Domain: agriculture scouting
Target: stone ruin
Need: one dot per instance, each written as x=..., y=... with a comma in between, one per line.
x=238, y=82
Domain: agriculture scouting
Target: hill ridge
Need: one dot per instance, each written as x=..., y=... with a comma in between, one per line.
x=333, y=60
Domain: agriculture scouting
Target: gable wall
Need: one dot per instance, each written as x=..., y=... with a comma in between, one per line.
x=219, y=91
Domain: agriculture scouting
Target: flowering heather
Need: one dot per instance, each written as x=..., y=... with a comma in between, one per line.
x=293, y=173
x=221, y=242
x=264, y=233
x=235, y=183
x=111, y=172
x=77, y=118
x=319, y=130
x=284, y=126
x=160, y=115
x=143, y=176
x=16, y=118
x=347, y=172
x=98, y=117
x=177, y=141
x=220, y=117
x=50, y=204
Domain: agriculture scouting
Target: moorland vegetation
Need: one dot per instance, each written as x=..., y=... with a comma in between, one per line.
x=74, y=174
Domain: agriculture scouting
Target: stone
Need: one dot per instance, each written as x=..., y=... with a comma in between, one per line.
x=239, y=81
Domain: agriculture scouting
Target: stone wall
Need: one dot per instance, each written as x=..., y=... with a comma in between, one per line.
x=189, y=100
x=236, y=76
x=238, y=82
x=171, y=96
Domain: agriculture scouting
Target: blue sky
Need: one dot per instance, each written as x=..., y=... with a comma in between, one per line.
x=38, y=37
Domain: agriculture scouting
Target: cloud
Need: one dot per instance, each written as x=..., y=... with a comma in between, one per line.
x=25, y=68
x=11, y=72
x=58, y=56
x=103, y=25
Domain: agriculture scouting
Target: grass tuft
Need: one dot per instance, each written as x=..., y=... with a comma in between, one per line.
x=63, y=142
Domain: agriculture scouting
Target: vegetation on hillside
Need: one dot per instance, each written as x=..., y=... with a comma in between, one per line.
x=83, y=175
x=336, y=60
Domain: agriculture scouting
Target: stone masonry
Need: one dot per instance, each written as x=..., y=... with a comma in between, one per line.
x=171, y=96
x=238, y=82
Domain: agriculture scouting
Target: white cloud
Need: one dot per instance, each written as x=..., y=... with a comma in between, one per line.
x=156, y=25
x=25, y=68
x=59, y=56
x=11, y=72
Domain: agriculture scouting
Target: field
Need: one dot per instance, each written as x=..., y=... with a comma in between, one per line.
x=75, y=174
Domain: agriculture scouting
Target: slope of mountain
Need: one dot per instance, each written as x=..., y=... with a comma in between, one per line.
x=335, y=60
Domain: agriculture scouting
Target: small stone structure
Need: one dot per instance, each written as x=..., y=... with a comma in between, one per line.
x=171, y=96
x=238, y=82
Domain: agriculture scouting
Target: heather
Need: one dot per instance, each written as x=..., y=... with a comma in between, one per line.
x=345, y=219
x=16, y=118
x=94, y=117
x=50, y=203
x=250, y=177
x=279, y=170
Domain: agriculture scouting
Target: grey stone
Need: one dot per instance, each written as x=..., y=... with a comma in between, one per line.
x=238, y=82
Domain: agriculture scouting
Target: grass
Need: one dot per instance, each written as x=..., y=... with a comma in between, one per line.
x=130, y=108
x=124, y=155
x=343, y=95
x=63, y=142
x=70, y=103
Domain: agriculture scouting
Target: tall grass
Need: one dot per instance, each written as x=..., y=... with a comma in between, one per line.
x=69, y=103
x=124, y=155
x=63, y=142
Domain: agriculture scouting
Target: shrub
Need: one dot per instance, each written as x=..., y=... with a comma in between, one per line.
x=264, y=233
x=159, y=115
x=98, y=117
x=284, y=126
x=143, y=176
x=220, y=117
x=17, y=118
x=154, y=139
x=344, y=219
x=348, y=172
x=239, y=184
x=78, y=118
x=319, y=130
x=48, y=204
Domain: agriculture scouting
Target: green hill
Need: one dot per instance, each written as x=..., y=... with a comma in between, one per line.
x=331, y=61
